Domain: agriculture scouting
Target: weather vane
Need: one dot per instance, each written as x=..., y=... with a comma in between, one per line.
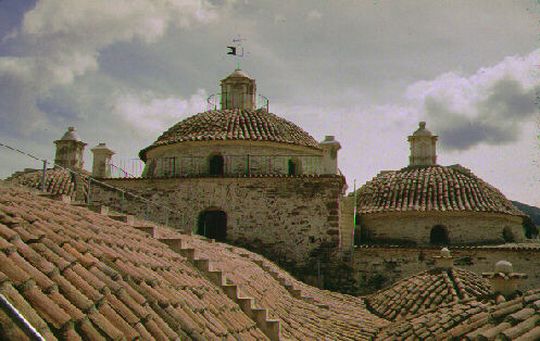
x=236, y=49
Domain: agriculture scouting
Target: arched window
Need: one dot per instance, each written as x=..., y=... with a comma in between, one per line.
x=213, y=224
x=508, y=235
x=439, y=235
x=216, y=165
x=294, y=167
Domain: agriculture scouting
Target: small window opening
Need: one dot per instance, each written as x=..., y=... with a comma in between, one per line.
x=216, y=166
x=508, y=235
x=439, y=235
x=293, y=167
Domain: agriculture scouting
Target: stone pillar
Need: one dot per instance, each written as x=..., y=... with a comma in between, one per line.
x=423, y=147
x=70, y=151
x=330, y=149
x=504, y=280
x=102, y=158
x=444, y=260
x=238, y=91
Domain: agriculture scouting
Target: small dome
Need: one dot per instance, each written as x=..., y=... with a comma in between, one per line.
x=234, y=125
x=422, y=131
x=432, y=188
x=504, y=267
x=445, y=252
x=238, y=73
x=71, y=135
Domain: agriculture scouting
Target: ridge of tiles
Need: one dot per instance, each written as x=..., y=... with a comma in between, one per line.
x=427, y=290
x=234, y=124
x=75, y=274
x=515, y=319
x=432, y=188
x=305, y=312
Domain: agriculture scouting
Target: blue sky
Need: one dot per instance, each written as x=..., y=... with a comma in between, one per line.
x=365, y=71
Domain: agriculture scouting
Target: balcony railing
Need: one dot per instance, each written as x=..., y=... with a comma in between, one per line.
x=234, y=165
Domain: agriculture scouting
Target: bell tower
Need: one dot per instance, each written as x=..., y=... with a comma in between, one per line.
x=238, y=91
x=423, y=147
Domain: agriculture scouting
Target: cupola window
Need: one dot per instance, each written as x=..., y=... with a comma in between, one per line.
x=216, y=165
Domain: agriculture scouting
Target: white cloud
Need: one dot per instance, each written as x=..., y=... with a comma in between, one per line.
x=489, y=106
x=153, y=115
x=314, y=15
x=62, y=40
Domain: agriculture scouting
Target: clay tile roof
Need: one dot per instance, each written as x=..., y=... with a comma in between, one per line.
x=516, y=319
x=234, y=124
x=427, y=290
x=432, y=188
x=305, y=312
x=59, y=181
x=84, y=275
x=66, y=286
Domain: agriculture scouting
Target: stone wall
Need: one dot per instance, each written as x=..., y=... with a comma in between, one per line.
x=463, y=227
x=375, y=267
x=240, y=158
x=282, y=217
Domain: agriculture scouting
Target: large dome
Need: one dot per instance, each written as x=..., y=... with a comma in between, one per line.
x=231, y=125
x=432, y=188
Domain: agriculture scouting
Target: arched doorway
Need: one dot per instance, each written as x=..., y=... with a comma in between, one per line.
x=213, y=224
x=439, y=235
x=216, y=165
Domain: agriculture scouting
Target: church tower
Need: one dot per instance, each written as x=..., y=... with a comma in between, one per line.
x=70, y=150
x=423, y=147
x=238, y=91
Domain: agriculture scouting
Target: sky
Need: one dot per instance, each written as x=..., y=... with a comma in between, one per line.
x=367, y=72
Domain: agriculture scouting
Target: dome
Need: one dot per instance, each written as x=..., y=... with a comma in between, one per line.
x=71, y=135
x=422, y=130
x=238, y=73
x=234, y=125
x=432, y=188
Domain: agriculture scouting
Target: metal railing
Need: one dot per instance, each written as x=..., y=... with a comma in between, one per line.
x=132, y=168
x=234, y=165
x=214, y=102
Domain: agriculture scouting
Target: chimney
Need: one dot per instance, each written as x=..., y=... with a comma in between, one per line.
x=102, y=159
x=70, y=150
x=330, y=149
x=444, y=260
x=423, y=145
x=504, y=280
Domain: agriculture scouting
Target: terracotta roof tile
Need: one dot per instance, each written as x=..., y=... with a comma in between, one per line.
x=59, y=181
x=433, y=188
x=234, y=124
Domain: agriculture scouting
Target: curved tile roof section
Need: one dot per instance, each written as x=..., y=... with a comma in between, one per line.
x=516, y=319
x=75, y=274
x=234, y=124
x=432, y=188
x=427, y=290
x=59, y=181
